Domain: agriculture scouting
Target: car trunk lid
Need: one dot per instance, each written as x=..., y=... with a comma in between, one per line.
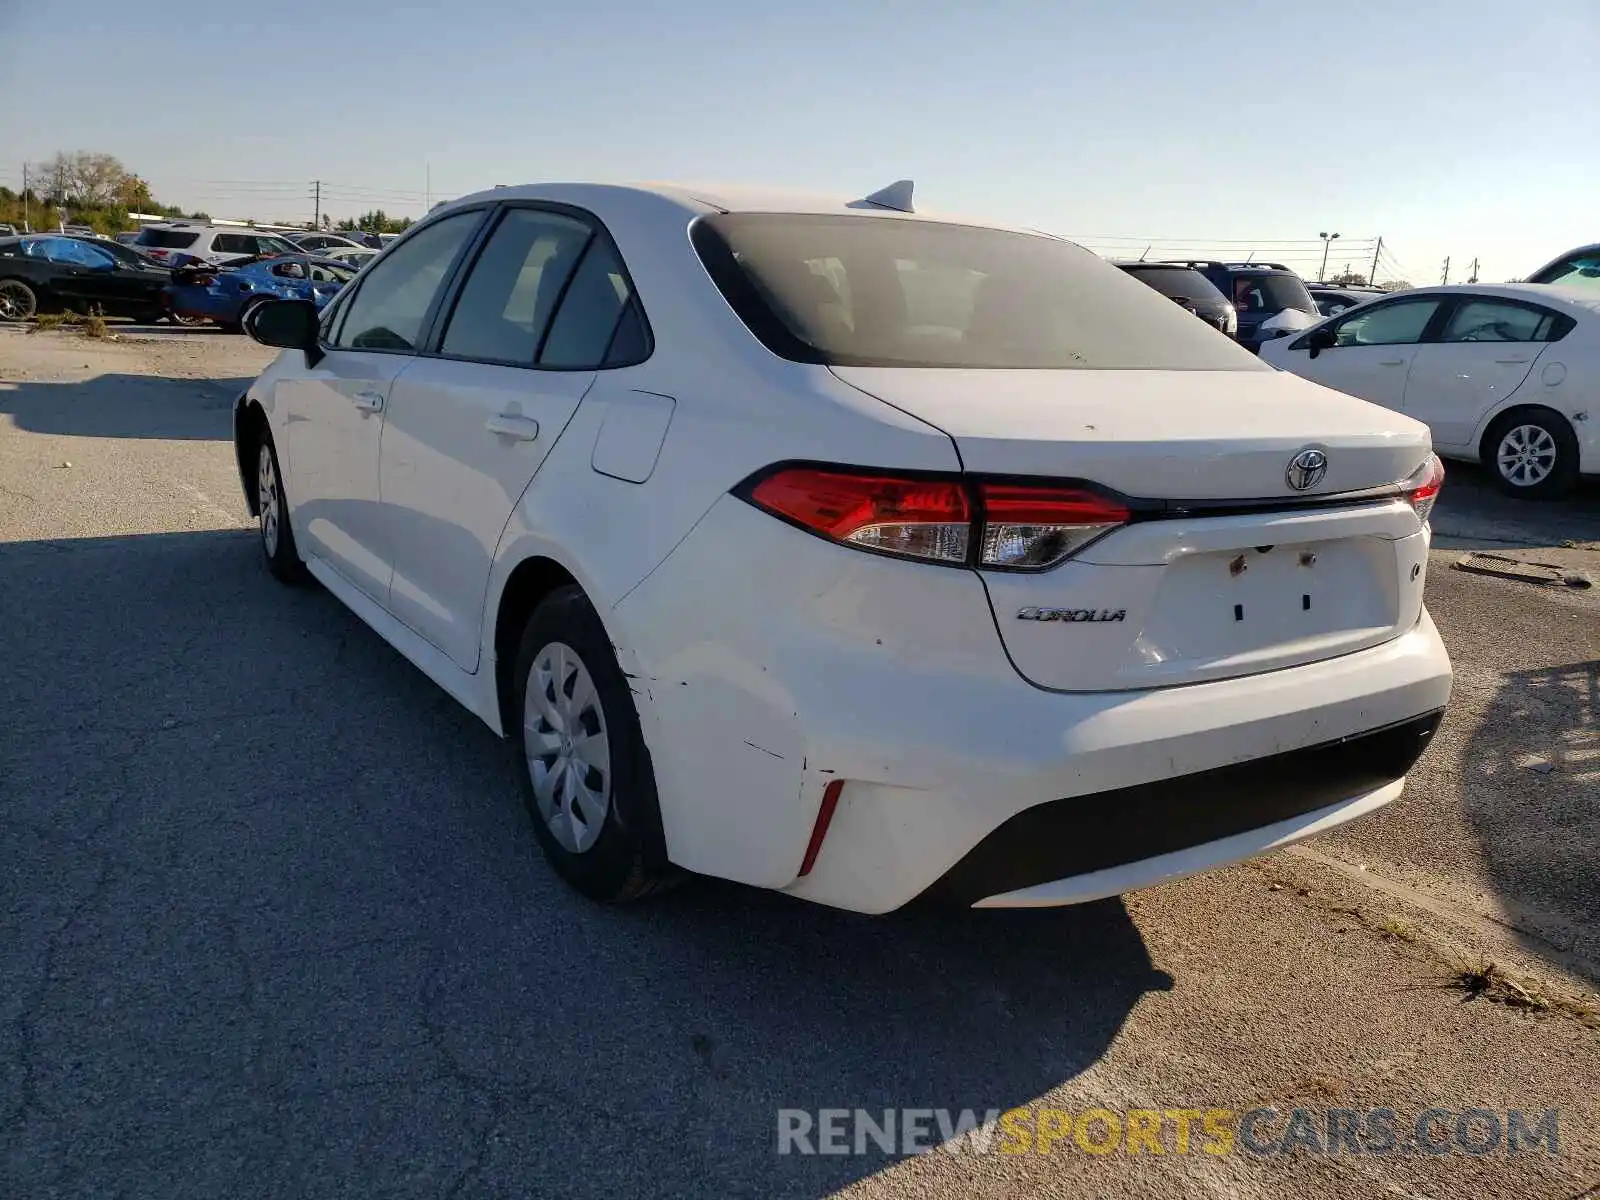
x=1227, y=567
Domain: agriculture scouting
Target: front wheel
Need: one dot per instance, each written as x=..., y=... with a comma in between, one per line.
x=586, y=774
x=277, y=538
x=1532, y=453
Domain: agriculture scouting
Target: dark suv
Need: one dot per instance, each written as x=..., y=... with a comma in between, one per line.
x=1189, y=288
x=1271, y=300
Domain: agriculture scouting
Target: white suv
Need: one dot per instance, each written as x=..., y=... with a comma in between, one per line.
x=179, y=244
x=847, y=550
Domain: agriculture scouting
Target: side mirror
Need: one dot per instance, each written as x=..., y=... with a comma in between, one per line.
x=1322, y=339
x=288, y=324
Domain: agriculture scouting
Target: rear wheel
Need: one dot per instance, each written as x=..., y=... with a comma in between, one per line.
x=1532, y=454
x=17, y=300
x=586, y=774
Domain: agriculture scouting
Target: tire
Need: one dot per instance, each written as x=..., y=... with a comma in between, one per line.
x=277, y=536
x=1532, y=454
x=189, y=322
x=609, y=846
x=18, y=301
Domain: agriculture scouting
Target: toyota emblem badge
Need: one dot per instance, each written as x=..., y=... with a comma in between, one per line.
x=1306, y=470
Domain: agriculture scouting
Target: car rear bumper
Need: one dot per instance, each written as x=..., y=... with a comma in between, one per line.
x=1086, y=847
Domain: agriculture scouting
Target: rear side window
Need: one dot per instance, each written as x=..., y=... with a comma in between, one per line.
x=1492, y=321
x=586, y=324
x=396, y=294
x=513, y=287
x=167, y=239
x=877, y=291
x=233, y=243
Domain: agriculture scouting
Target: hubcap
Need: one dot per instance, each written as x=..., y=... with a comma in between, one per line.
x=1527, y=455
x=267, y=498
x=569, y=755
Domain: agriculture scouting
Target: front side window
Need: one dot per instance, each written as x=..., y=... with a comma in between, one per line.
x=272, y=245
x=233, y=243
x=878, y=291
x=1399, y=323
x=513, y=287
x=76, y=254
x=1490, y=321
x=396, y=294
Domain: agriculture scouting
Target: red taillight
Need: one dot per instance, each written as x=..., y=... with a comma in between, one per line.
x=1422, y=489
x=1007, y=526
x=917, y=518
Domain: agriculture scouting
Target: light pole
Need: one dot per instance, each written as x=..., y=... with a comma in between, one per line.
x=1327, y=241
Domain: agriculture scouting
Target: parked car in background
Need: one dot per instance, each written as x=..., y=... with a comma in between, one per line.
x=356, y=256
x=1270, y=299
x=7, y=230
x=315, y=243
x=1575, y=268
x=1190, y=289
x=227, y=294
x=178, y=244
x=1505, y=374
x=1025, y=589
x=1331, y=300
x=44, y=273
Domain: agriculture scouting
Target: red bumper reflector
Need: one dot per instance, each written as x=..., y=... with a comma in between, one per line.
x=830, y=801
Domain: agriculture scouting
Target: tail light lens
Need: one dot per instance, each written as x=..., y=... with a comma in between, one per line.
x=1422, y=489
x=1002, y=526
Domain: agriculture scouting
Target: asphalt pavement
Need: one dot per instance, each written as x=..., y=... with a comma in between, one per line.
x=273, y=921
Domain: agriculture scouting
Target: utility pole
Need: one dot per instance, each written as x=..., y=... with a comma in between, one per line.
x=25, y=227
x=316, y=221
x=1327, y=241
x=1446, y=277
x=1473, y=278
x=1372, y=279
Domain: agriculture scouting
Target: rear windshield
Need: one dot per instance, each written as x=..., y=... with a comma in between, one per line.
x=872, y=291
x=1182, y=282
x=167, y=239
x=1271, y=294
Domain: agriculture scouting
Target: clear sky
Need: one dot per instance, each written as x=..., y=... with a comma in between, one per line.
x=1459, y=127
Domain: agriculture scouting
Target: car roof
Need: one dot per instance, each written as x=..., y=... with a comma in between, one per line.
x=701, y=199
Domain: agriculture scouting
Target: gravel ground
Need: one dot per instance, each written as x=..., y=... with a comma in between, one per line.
x=272, y=921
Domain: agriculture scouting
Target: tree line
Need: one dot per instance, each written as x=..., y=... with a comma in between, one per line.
x=94, y=189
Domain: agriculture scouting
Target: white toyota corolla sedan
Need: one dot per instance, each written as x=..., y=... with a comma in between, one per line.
x=848, y=550
x=1502, y=374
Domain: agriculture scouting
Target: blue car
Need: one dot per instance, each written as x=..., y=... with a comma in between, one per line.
x=226, y=294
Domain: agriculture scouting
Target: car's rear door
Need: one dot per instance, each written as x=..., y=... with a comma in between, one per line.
x=1485, y=349
x=335, y=410
x=471, y=423
x=1374, y=347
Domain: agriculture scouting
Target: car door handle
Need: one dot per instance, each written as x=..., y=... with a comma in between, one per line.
x=368, y=402
x=513, y=425
x=1510, y=362
x=1391, y=362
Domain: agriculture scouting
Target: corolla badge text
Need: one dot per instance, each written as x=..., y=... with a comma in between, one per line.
x=1073, y=615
